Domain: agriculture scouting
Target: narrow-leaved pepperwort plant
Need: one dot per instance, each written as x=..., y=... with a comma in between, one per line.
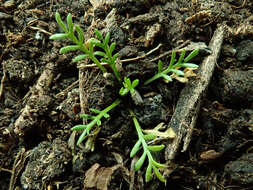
x=104, y=54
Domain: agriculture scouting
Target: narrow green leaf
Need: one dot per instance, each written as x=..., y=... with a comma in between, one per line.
x=106, y=115
x=167, y=77
x=115, y=57
x=99, y=35
x=140, y=162
x=80, y=57
x=191, y=55
x=156, y=147
x=78, y=127
x=173, y=58
x=160, y=66
x=60, y=22
x=135, y=148
x=81, y=138
x=69, y=48
x=148, y=173
x=58, y=36
x=178, y=72
x=158, y=164
x=158, y=174
x=112, y=47
x=107, y=38
x=128, y=82
x=123, y=91
x=95, y=110
x=85, y=116
x=80, y=34
x=70, y=23
x=181, y=57
x=149, y=137
x=100, y=53
x=189, y=65
x=135, y=83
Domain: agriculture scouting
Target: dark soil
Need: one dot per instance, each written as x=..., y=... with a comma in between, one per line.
x=38, y=149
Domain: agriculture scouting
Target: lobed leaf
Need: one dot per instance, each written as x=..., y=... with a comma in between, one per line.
x=191, y=55
x=140, y=162
x=70, y=23
x=80, y=34
x=100, y=53
x=58, y=36
x=69, y=48
x=160, y=66
x=149, y=137
x=78, y=127
x=99, y=35
x=158, y=174
x=107, y=38
x=123, y=91
x=148, y=173
x=80, y=57
x=156, y=147
x=189, y=65
x=178, y=72
x=60, y=22
x=181, y=57
x=135, y=148
x=135, y=83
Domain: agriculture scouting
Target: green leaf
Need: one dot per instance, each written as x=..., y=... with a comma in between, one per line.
x=115, y=57
x=107, y=38
x=123, y=91
x=60, y=22
x=173, y=58
x=135, y=83
x=80, y=34
x=81, y=138
x=181, y=57
x=178, y=72
x=58, y=36
x=189, y=65
x=156, y=147
x=100, y=53
x=191, y=55
x=70, y=23
x=80, y=57
x=112, y=47
x=167, y=77
x=148, y=173
x=140, y=162
x=69, y=48
x=160, y=66
x=158, y=174
x=135, y=148
x=78, y=127
x=149, y=137
x=99, y=35
x=158, y=164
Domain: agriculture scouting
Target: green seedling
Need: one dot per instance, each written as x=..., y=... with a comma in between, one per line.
x=128, y=86
x=100, y=51
x=88, y=47
x=152, y=164
x=174, y=66
x=96, y=120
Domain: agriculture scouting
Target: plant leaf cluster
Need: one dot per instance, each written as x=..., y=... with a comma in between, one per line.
x=100, y=51
x=174, y=67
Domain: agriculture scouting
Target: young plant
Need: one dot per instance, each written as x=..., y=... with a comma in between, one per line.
x=88, y=47
x=152, y=164
x=174, y=67
x=96, y=120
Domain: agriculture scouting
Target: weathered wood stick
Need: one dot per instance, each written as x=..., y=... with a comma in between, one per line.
x=184, y=118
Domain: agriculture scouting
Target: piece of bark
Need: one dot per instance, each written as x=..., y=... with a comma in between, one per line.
x=184, y=118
